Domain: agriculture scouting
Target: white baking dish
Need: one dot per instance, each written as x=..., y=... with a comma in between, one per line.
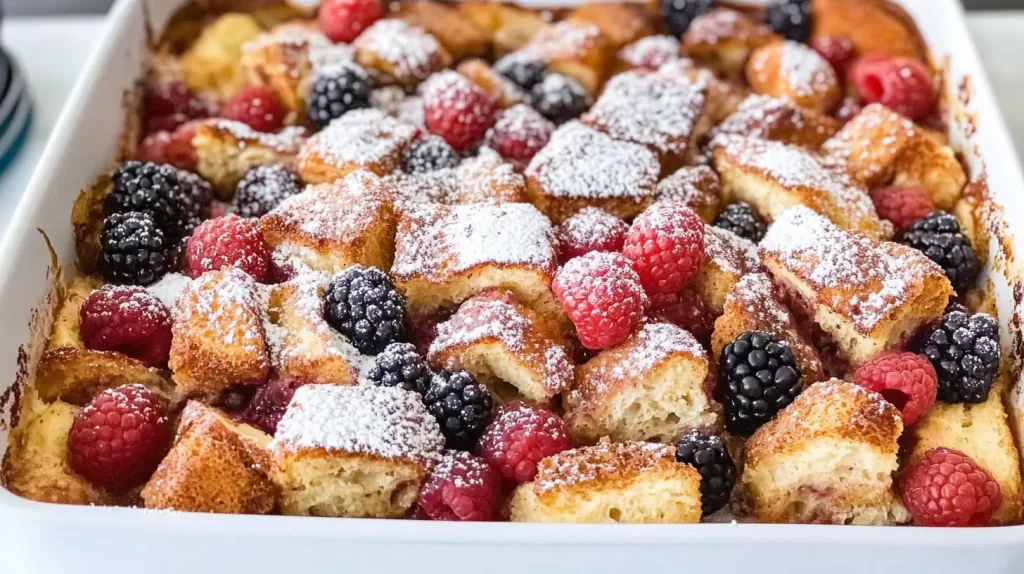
x=40, y=538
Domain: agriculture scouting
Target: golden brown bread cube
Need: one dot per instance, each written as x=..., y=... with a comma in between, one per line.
x=213, y=61
x=723, y=96
x=727, y=258
x=227, y=150
x=575, y=49
x=365, y=139
x=769, y=118
x=458, y=34
x=280, y=60
x=214, y=465
x=723, y=39
x=485, y=178
x=871, y=25
x=620, y=23
x=398, y=52
x=649, y=52
x=793, y=71
x=511, y=27
x=697, y=187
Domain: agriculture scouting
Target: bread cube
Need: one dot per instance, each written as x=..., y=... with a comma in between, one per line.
x=213, y=61
x=795, y=72
x=723, y=39
x=576, y=49
x=697, y=187
x=485, y=178
x=769, y=118
x=872, y=26
x=366, y=139
x=398, y=52
x=227, y=150
x=620, y=24
x=460, y=36
x=280, y=60
x=511, y=27
x=727, y=258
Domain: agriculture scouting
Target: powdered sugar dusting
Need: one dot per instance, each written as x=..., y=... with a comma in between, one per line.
x=649, y=346
x=605, y=461
x=169, y=288
x=697, y=187
x=485, y=178
x=223, y=302
x=650, y=52
x=755, y=293
x=287, y=141
x=410, y=51
x=729, y=252
x=765, y=117
x=566, y=39
x=365, y=137
x=805, y=71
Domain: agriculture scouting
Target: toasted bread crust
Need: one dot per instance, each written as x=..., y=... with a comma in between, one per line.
x=794, y=72
x=576, y=49
x=872, y=26
x=460, y=36
x=775, y=119
x=698, y=187
x=227, y=150
x=723, y=39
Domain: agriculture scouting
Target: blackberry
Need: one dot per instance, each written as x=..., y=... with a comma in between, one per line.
x=559, y=98
x=429, y=153
x=709, y=456
x=521, y=69
x=363, y=304
x=938, y=236
x=757, y=378
x=133, y=249
x=461, y=406
x=790, y=18
x=679, y=14
x=400, y=365
x=263, y=188
x=178, y=200
x=345, y=88
x=742, y=220
x=964, y=349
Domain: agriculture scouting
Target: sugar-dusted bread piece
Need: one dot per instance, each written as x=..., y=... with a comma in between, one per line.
x=723, y=96
x=505, y=345
x=227, y=150
x=460, y=36
x=280, y=60
x=879, y=147
x=723, y=39
x=353, y=451
x=332, y=226
x=665, y=114
x=754, y=304
x=215, y=465
x=574, y=48
x=361, y=139
x=868, y=295
x=773, y=177
x=649, y=387
x=398, y=52
x=793, y=71
x=872, y=26
x=212, y=62
x=445, y=254
x=70, y=372
x=649, y=52
x=620, y=23
x=775, y=119
x=634, y=482
x=583, y=167
x=511, y=27
x=828, y=458
x=727, y=258
x=697, y=187
x=501, y=88
x=218, y=337
x=485, y=178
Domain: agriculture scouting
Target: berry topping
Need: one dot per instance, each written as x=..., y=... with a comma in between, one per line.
x=429, y=153
x=742, y=220
x=838, y=50
x=177, y=200
x=344, y=88
x=128, y=320
x=228, y=241
x=938, y=236
x=902, y=205
x=686, y=310
x=400, y=365
x=457, y=109
x=521, y=69
x=603, y=297
x=460, y=487
x=363, y=304
x=343, y=20
x=133, y=250
x=119, y=438
x=717, y=471
x=757, y=378
x=263, y=188
x=461, y=406
x=679, y=14
x=848, y=108
x=269, y=403
x=559, y=98
x=906, y=380
x=519, y=134
x=946, y=488
x=174, y=148
x=591, y=229
x=790, y=18
x=666, y=246
x=168, y=105
x=965, y=353
x=257, y=107
x=519, y=437
x=903, y=85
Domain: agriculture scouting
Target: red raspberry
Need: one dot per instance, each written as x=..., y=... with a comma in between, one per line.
x=519, y=134
x=344, y=20
x=838, y=50
x=173, y=148
x=228, y=241
x=519, y=437
x=901, y=205
x=457, y=109
x=168, y=105
x=686, y=310
x=591, y=229
x=946, y=488
x=269, y=404
x=906, y=380
x=848, y=109
x=461, y=487
x=127, y=319
x=256, y=106
x=666, y=246
x=903, y=85
x=603, y=297
x=119, y=438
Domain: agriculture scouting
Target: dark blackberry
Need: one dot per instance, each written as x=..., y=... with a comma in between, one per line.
x=177, y=200
x=790, y=18
x=345, y=88
x=363, y=304
x=400, y=365
x=429, y=153
x=133, y=249
x=757, y=378
x=521, y=69
x=938, y=236
x=964, y=349
x=679, y=14
x=461, y=406
x=742, y=220
x=263, y=188
x=709, y=456
x=559, y=98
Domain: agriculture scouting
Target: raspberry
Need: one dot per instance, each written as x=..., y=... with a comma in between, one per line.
x=946, y=488
x=901, y=205
x=838, y=50
x=686, y=310
x=603, y=297
x=591, y=229
x=457, y=109
x=168, y=105
x=228, y=241
x=519, y=134
x=847, y=109
x=256, y=106
x=174, y=148
x=460, y=487
x=666, y=246
x=519, y=437
x=343, y=20
x=129, y=320
x=269, y=404
x=119, y=438
x=903, y=85
x=906, y=380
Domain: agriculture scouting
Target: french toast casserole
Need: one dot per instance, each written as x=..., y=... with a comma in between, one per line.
x=662, y=262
